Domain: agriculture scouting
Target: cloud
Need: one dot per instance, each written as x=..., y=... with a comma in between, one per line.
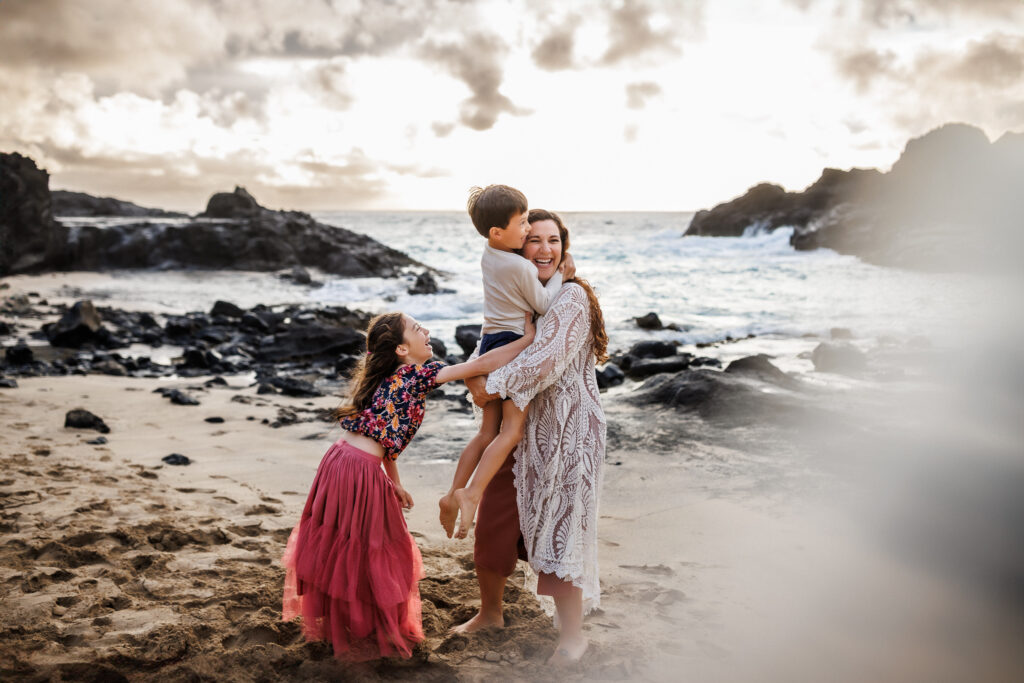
x=996, y=61
x=913, y=13
x=981, y=81
x=555, y=50
x=329, y=80
x=442, y=129
x=637, y=94
x=142, y=46
x=476, y=62
x=865, y=65
x=633, y=32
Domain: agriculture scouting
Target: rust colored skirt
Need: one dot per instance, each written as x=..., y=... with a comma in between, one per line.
x=352, y=567
x=498, y=541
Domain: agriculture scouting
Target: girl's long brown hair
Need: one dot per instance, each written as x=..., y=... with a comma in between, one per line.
x=383, y=335
x=597, y=331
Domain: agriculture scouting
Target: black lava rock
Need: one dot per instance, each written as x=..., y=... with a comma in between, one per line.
x=215, y=420
x=98, y=441
x=440, y=350
x=759, y=367
x=653, y=349
x=177, y=396
x=176, y=459
x=226, y=309
x=643, y=368
x=425, y=284
x=841, y=358
x=609, y=376
x=83, y=419
x=8, y=383
x=80, y=325
x=291, y=386
x=467, y=337
x=651, y=321
x=19, y=354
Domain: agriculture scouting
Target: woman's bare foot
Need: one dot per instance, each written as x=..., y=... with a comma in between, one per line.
x=480, y=621
x=449, y=513
x=568, y=651
x=467, y=511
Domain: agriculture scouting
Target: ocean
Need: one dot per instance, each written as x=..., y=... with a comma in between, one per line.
x=712, y=288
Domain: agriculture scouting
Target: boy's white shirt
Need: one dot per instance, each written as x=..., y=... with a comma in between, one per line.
x=511, y=288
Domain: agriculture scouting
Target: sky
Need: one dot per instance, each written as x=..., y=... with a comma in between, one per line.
x=654, y=105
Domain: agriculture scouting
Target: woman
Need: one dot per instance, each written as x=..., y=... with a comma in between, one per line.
x=542, y=504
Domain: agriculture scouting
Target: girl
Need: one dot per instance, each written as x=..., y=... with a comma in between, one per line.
x=352, y=565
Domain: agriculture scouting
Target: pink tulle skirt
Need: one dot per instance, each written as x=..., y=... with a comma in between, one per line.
x=352, y=567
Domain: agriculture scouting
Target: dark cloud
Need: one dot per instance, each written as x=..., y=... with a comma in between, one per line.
x=997, y=61
x=981, y=82
x=142, y=46
x=476, y=62
x=637, y=94
x=864, y=65
x=555, y=50
x=329, y=79
x=631, y=33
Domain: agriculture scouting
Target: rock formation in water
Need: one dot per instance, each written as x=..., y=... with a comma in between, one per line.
x=65, y=203
x=952, y=200
x=235, y=234
x=30, y=239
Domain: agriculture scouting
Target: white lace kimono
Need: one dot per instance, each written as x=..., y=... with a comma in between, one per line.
x=559, y=461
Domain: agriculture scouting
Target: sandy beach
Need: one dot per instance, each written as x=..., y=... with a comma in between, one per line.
x=727, y=552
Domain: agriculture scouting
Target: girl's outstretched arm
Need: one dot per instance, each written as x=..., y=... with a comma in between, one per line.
x=490, y=361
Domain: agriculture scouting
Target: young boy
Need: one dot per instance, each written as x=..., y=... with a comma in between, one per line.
x=511, y=289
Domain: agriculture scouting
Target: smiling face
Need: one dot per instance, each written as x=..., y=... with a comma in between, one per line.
x=543, y=248
x=415, y=348
x=512, y=236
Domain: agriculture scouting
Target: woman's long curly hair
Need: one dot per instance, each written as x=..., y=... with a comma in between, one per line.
x=597, y=331
x=383, y=335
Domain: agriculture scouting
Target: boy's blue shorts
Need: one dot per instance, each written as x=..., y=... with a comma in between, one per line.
x=497, y=339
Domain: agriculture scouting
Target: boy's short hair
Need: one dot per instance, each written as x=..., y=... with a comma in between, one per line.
x=493, y=206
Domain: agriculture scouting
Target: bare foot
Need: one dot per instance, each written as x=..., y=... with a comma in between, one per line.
x=467, y=511
x=478, y=622
x=568, y=651
x=449, y=513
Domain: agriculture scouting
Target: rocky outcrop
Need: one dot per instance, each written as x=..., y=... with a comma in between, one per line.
x=235, y=234
x=268, y=240
x=30, y=239
x=65, y=203
x=237, y=204
x=953, y=200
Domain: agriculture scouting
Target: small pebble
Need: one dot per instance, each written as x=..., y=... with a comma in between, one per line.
x=215, y=420
x=176, y=459
x=492, y=656
x=59, y=611
x=98, y=441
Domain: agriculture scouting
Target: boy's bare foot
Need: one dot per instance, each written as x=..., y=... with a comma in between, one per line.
x=449, y=513
x=467, y=511
x=478, y=622
x=568, y=651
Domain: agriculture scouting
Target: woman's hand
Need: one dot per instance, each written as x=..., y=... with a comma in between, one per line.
x=568, y=267
x=403, y=497
x=478, y=388
x=529, y=329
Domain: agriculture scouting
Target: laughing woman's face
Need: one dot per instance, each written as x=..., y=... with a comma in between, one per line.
x=543, y=248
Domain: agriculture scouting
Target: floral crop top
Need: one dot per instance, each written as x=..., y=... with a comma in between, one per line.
x=397, y=408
